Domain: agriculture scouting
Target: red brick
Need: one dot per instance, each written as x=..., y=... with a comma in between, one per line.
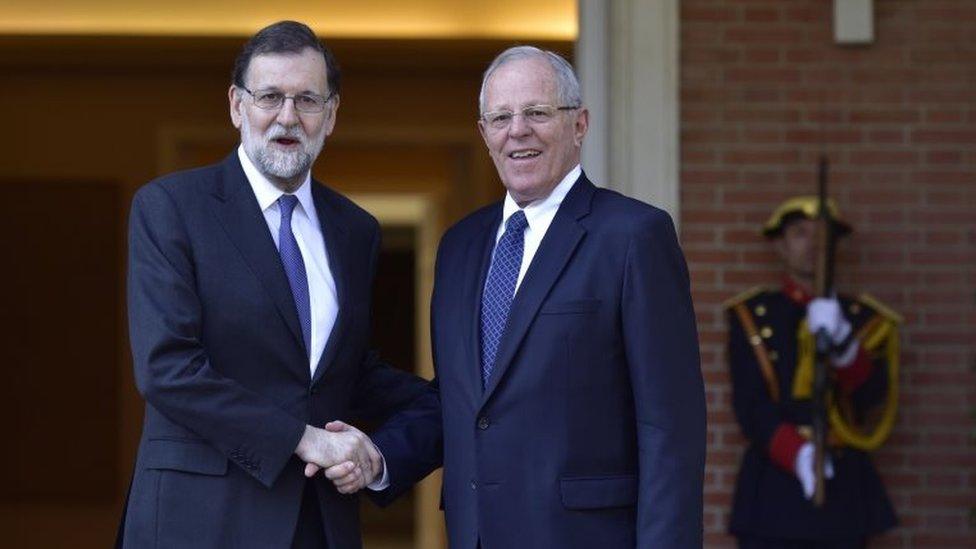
x=761, y=56
x=944, y=540
x=886, y=136
x=945, y=116
x=824, y=116
x=944, y=157
x=759, y=34
x=883, y=157
x=955, y=12
x=762, y=15
x=762, y=115
x=940, y=96
x=824, y=136
x=941, y=137
x=708, y=14
x=897, y=116
x=942, y=501
x=808, y=14
x=760, y=157
x=708, y=176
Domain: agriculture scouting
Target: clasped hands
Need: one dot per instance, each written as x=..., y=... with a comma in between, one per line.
x=347, y=455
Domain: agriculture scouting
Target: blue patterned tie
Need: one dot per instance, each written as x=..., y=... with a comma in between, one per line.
x=291, y=259
x=500, y=289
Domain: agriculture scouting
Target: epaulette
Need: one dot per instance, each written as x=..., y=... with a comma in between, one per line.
x=744, y=296
x=880, y=308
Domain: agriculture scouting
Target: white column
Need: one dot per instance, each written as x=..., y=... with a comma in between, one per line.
x=593, y=69
x=627, y=56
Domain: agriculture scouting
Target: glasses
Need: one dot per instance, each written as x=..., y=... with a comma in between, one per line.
x=535, y=114
x=304, y=102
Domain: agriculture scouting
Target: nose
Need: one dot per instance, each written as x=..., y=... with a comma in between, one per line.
x=287, y=115
x=519, y=126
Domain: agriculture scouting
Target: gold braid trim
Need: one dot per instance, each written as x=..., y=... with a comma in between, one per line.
x=877, y=331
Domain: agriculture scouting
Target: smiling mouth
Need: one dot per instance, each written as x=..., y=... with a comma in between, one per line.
x=524, y=154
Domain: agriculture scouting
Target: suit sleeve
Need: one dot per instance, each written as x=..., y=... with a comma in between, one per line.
x=410, y=440
x=172, y=369
x=661, y=346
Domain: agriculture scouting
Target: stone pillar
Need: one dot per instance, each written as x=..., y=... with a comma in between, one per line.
x=627, y=58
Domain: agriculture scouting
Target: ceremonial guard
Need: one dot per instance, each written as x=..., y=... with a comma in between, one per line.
x=792, y=492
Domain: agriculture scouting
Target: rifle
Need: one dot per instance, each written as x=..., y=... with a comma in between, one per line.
x=824, y=283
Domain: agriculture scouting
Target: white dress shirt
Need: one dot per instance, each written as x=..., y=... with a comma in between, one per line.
x=322, y=297
x=539, y=215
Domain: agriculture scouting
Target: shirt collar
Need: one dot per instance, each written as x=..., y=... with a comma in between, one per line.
x=265, y=191
x=795, y=291
x=540, y=207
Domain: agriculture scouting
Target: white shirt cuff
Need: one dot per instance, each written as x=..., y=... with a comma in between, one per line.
x=383, y=482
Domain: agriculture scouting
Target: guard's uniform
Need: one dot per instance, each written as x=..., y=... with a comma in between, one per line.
x=771, y=357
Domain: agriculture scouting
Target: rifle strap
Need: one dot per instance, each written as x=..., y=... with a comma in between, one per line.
x=762, y=356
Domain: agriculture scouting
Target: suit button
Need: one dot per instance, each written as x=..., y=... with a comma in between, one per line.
x=313, y=391
x=483, y=422
x=474, y=485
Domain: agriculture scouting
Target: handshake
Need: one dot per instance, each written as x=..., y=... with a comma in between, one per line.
x=348, y=456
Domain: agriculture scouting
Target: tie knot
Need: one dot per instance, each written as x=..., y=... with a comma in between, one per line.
x=287, y=204
x=516, y=223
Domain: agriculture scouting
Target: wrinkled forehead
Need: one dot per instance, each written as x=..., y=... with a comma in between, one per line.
x=293, y=72
x=520, y=83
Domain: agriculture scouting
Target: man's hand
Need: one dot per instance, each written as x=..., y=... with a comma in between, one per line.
x=348, y=477
x=341, y=445
x=803, y=468
x=825, y=313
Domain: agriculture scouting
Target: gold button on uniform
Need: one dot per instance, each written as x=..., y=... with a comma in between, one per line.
x=766, y=332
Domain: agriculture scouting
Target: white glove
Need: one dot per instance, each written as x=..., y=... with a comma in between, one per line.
x=803, y=468
x=825, y=313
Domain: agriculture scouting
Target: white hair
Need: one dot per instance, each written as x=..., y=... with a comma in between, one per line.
x=567, y=85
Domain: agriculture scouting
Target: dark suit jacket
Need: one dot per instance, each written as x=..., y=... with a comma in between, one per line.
x=591, y=431
x=219, y=357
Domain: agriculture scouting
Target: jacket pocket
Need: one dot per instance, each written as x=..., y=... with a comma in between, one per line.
x=566, y=307
x=191, y=456
x=598, y=492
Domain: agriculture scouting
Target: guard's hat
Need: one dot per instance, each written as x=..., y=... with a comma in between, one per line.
x=803, y=207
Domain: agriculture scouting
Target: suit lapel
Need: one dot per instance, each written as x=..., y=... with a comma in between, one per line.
x=476, y=262
x=336, y=244
x=237, y=210
x=550, y=260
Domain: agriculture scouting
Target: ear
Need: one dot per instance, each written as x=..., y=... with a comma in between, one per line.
x=582, y=124
x=234, y=98
x=481, y=130
x=330, y=122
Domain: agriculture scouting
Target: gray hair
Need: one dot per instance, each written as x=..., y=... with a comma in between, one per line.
x=567, y=85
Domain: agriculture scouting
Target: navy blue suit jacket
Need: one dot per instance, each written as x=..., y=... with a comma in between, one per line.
x=219, y=357
x=591, y=431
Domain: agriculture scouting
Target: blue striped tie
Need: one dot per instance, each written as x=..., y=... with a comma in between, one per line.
x=500, y=290
x=291, y=259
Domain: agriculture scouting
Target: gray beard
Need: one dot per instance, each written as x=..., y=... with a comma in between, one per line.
x=285, y=170
x=283, y=165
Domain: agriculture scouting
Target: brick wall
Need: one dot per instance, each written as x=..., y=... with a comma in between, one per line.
x=764, y=92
